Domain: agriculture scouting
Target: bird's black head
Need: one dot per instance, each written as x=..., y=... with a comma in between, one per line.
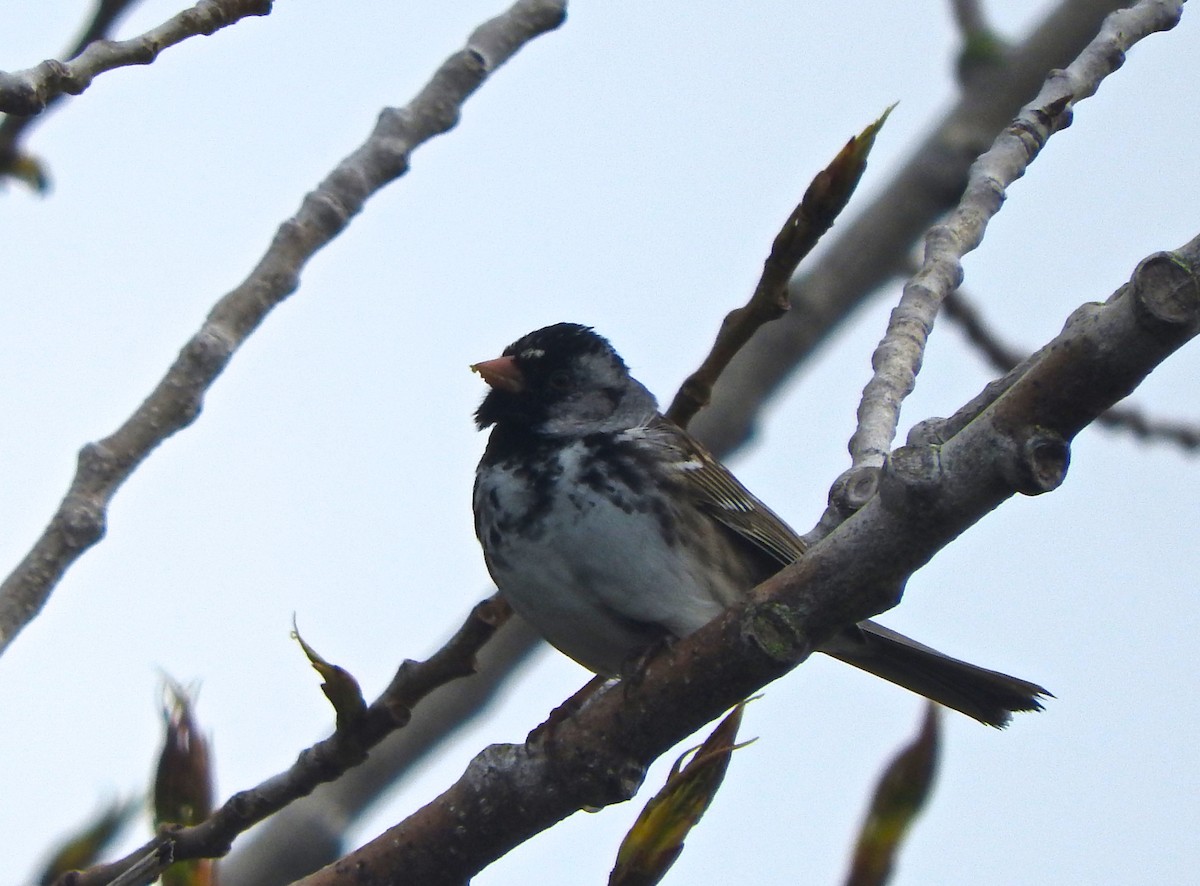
x=561, y=380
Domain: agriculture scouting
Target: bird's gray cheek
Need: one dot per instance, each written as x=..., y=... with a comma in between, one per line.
x=592, y=406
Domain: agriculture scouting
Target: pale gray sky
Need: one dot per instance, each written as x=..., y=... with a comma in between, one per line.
x=626, y=171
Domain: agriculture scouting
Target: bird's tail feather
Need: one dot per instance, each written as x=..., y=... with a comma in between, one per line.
x=989, y=696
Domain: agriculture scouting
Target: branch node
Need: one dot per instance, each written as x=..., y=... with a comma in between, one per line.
x=58, y=76
x=853, y=489
x=96, y=461
x=210, y=349
x=82, y=524
x=777, y=630
x=931, y=431
x=1083, y=315
x=494, y=611
x=627, y=779
x=911, y=479
x=329, y=211
x=1040, y=462
x=82, y=518
x=478, y=58
x=1166, y=291
x=400, y=713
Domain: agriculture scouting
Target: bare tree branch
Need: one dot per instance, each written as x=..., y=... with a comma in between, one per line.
x=927, y=185
x=13, y=126
x=983, y=50
x=958, y=308
x=968, y=15
x=928, y=496
x=897, y=359
x=176, y=401
x=887, y=228
x=309, y=833
x=1135, y=421
x=1025, y=65
x=29, y=92
x=1005, y=357
x=822, y=203
x=323, y=762
x=103, y=20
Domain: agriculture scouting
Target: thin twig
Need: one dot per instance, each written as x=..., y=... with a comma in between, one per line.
x=175, y=402
x=309, y=833
x=323, y=762
x=983, y=50
x=820, y=206
x=922, y=190
x=29, y=92
x=897, y=359
x=968, y=15
x=868, y=250
x=1001, y=355
x=24, y=95
x=1134, y=420
x=103, y=20
x=12, y=126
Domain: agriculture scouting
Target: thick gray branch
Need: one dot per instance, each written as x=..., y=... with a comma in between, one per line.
x=897, y=359
x=1003, y=357
x=1060, y=38
x=872, y=249
x=311, y=831
x=929, y=494
x=175, y=402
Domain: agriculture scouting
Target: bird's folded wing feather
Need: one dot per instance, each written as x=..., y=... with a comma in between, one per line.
x=727, y=500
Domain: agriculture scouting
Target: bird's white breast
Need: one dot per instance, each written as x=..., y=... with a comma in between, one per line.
x=591, y=565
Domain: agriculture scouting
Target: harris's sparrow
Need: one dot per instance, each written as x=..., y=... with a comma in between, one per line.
x=608, y=528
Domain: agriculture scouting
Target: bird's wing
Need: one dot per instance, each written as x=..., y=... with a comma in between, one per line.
x=723, y=497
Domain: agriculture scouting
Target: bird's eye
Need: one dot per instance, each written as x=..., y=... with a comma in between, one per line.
x=560, y=379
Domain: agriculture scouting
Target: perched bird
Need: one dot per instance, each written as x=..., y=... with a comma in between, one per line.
x=608, y=528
